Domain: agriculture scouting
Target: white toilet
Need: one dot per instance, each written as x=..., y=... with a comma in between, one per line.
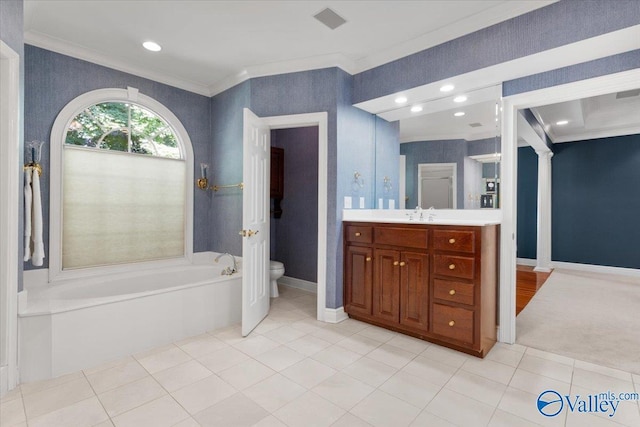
x=276, y=271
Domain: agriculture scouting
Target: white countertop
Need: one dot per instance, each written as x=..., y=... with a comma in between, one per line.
x=470, y=217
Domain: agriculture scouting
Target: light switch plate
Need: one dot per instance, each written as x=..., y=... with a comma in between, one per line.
x=361, y=202
x=347, y=202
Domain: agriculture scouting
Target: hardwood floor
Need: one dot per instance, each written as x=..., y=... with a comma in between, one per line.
x=527, y=284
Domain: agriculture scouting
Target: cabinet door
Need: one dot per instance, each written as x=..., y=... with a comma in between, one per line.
x=414, y=290
x=386, y=285
x=358, y=278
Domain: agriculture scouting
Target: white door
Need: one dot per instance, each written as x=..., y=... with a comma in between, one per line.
x=255, y=221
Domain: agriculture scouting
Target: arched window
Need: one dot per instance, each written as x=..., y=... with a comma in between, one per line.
x=120, y=193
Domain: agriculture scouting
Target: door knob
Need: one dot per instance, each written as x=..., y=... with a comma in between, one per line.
x=248, y=233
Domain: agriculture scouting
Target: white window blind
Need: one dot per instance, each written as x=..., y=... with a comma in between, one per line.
x=121, y=208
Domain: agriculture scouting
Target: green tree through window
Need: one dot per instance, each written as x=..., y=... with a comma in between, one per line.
x=123, y=127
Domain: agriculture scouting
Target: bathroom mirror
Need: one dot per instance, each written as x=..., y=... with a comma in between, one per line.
x=443, y=153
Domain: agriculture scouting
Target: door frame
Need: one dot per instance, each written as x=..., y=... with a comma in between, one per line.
x=321, y=120
x=9, y=216
x=616, y=82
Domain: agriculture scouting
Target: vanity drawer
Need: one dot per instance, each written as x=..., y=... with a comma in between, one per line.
x=454, y=240
x=358, y=234
x=406, y=237
x=454, y=266
x=453, y=322
x=449, y=290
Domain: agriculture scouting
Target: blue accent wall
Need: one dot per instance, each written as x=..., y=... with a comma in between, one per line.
x=558, y=24
x=295, y=237
x=12, y=34
x=527, y=203
x=52, y=80
x=595, y=202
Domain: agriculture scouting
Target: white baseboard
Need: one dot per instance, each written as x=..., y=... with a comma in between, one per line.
x=335, y=315
x=4, y=380
x=526, y=261
x=620, y=271
x=292, y=282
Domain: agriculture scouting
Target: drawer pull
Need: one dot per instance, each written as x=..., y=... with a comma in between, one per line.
x=395, y=262
x=452, y=323
x=402, y=264
x=452, y=266
x=358, y=234
x=452, y=241
x=452, y=292
x=368, y=259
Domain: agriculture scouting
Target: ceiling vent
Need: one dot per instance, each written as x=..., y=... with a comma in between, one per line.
x=475, y=125
x=329, y=18
x=628, y=93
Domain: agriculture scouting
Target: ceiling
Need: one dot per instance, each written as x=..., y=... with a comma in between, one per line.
x=601, y=116
x=209, y=46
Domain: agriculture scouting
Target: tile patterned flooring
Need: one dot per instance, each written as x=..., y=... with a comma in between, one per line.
x=295, y=371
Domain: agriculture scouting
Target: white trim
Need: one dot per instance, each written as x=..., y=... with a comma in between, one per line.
x=58, y=132
x=335, y=315
x=321, y=120
x=626, y=80
x=526, y=261
x=543, y=244
x=293, y=282
x=10, y=122
x=604, y=269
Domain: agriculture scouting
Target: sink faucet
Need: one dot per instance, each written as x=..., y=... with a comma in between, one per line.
x=229, y=270
x=431, y=213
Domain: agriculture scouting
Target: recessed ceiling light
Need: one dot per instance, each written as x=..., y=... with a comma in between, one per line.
x=447, y=88
x=152, y=46
x=416, y=108
x=459, y=114
x=562, y=122
x=401, y=100
x=460, y=98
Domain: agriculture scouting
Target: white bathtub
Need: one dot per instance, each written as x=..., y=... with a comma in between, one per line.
x=83, y=323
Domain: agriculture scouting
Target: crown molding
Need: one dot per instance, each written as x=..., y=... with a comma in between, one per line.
x=44, y=41
x=597, y=134
x=465, y=26
x=467, y=136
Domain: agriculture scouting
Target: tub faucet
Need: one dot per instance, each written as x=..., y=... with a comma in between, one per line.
x=229, y=270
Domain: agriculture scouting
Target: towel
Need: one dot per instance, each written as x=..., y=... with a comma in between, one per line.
x=33, y=244
x=36, y=221
x=28, y=197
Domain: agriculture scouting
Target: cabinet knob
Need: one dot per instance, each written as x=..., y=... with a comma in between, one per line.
x=368, y=258
x=402, y=264
x=452, y=266
x=395, y=262
x=452, y=241
x=358, y=234
x=452, y=292
x=452, y=323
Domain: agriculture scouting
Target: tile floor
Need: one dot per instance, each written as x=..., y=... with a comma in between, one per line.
x=295, y=371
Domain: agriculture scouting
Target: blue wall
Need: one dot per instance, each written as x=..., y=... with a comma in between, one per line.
x=226, y=161
x=52, y=80
x=387, y=160
x=295, y=237
x=595, y=202
x=12, y=33
x=558, y=24
x=527, y=202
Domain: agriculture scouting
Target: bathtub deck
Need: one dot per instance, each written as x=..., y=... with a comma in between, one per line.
x=292, y=369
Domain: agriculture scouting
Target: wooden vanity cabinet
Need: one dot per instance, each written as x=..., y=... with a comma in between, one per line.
x=434, y=282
